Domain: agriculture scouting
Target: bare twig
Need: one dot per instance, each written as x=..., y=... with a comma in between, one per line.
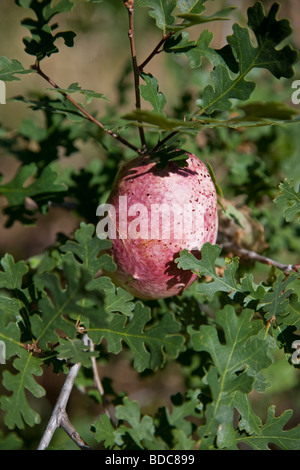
x=252, y=255
x=136, y=71
x=160, y=143
x=59, y=417
x=68, y=427
x=156, y=50
x=91, y=118
x=98, y=383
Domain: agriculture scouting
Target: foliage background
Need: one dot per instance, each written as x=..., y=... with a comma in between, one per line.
x=272, y=153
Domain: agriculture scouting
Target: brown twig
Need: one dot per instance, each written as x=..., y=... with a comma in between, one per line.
x=156, y=50
x=68, y=427
x=160, y=143
x=86, y=114
x=98, y=383
x=136, y=71
x=59, y=416
x=252, y=255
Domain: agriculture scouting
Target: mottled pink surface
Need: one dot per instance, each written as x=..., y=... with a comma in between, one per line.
x=146, y=267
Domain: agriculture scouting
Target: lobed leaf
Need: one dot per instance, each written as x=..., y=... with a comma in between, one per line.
x=88, y=250
x=149, y=346
x=42, y=41
x=288, y=200
x=150, y=93
x=75, y=351
x=245, y=292
x=276, y=301
x=139, y=429
x=269, y=33
x=160, y=11
x=76, y=88
x=16, y=405
x=266, y=115
x=58, y=306
x=244, y=349
x=42, y=190
x=206, y=267
x=10, y=68
x=273, y=432
x=171, y=153
x=12, y=275
x=192, y=19
x=104, y=431
x=191, y=6
x=181, y=413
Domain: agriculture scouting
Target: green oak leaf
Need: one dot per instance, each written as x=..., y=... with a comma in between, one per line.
x=292, y=318
x=42, y=190
x=188, y=407
x=206, y=267
x=269, y=33
x=273, y=432
x=264, y=117
x=42, y=41
x=244, y=345
x=202, y=50
x=60, y=107
x=17, y=408
x=191, y=6
x=118, y=300
x=10, y=441
x=179, y=44
x=151, y=93
x=244, y=292
x=148, y=345
x=104, y=431
x=276, y=302
x=192, y=19
x=10, y=68
x=161, y=11
x=139, y=429
x=55, y=310
x=75, y=351
x=171, y=153
x=12, y=275
x=14, y=300
x=88, y=250
x=244, y=349
x=159, y=120
x=288, y=200
x=76, y=88
x=218, y=97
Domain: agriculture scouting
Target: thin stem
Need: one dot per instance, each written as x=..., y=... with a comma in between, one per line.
x=252, y=255
x=163, y=141
x=98, y=383
x=59, y=417
x=155, y=51
x=59, y=411
x=136, y=71
x=68, y=427
x=84, y=112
